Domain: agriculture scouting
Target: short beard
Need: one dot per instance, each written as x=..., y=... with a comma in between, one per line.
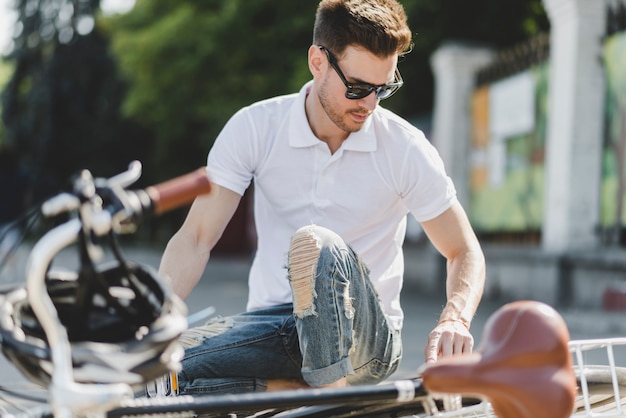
x=330, y=108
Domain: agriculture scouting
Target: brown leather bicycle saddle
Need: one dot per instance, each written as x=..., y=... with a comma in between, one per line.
x=523, y=365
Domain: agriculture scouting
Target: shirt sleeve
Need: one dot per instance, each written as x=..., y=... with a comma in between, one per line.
x=426, y=188
x=231, y=162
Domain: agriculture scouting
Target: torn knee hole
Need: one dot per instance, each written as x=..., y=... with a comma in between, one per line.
x=195, y=336
x=304, y=254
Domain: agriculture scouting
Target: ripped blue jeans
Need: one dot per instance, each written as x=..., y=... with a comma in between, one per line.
x=334, y=328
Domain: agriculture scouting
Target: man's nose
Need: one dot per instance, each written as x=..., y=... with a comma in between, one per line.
x=369, y=102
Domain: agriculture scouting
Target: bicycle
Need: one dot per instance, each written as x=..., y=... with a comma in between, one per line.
x=98, y=336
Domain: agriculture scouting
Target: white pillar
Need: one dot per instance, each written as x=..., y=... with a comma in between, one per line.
x=455, y=66
x=575, y=125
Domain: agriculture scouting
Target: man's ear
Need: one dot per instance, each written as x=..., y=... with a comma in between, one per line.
x=316, y=61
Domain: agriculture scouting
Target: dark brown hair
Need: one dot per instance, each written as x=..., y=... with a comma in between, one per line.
x=380, y=26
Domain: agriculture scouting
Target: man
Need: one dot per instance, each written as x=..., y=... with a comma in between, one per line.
x=335, y=176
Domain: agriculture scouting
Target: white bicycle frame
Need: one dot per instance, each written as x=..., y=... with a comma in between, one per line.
x=67, y=397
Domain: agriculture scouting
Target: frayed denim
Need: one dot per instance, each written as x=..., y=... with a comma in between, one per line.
x=335, y=328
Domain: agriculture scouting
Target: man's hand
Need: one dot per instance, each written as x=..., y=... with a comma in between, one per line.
x=448, y=337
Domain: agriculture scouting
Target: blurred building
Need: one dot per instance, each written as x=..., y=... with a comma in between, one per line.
x=535, y=139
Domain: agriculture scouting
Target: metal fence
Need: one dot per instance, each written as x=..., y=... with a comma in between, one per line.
x=516, y=59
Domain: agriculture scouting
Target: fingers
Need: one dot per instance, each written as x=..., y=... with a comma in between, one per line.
x=432, y=349
x=446, y=339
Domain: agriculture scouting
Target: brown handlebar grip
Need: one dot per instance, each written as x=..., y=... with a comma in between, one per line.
x=179, y=191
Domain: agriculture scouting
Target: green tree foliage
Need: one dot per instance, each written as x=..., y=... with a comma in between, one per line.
x=61, y=105
x=192, y=64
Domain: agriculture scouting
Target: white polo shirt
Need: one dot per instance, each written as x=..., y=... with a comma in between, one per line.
x=363, y=191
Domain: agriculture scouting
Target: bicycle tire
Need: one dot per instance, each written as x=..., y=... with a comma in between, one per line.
x=363, y=410
x=371, y=410
x=214, y=405
x=345, y=403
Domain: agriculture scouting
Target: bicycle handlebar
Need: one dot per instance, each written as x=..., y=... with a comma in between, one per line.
x=103, y=205
x=179, y=191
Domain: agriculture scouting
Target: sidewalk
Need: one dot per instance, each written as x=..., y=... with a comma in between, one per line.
x=224, y=286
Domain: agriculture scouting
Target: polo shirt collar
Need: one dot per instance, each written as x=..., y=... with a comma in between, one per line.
x=364, y=140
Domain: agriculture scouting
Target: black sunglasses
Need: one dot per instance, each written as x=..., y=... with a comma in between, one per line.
x=356, y=91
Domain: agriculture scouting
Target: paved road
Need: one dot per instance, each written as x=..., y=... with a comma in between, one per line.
x=224, y=287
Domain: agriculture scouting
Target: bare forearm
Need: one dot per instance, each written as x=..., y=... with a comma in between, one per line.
x=183, y=263
x=187, y=253
x=464, y=286
x=453, y=236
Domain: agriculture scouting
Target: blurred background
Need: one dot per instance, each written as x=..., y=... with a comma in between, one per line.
x=94, y=84
x=525, y=99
